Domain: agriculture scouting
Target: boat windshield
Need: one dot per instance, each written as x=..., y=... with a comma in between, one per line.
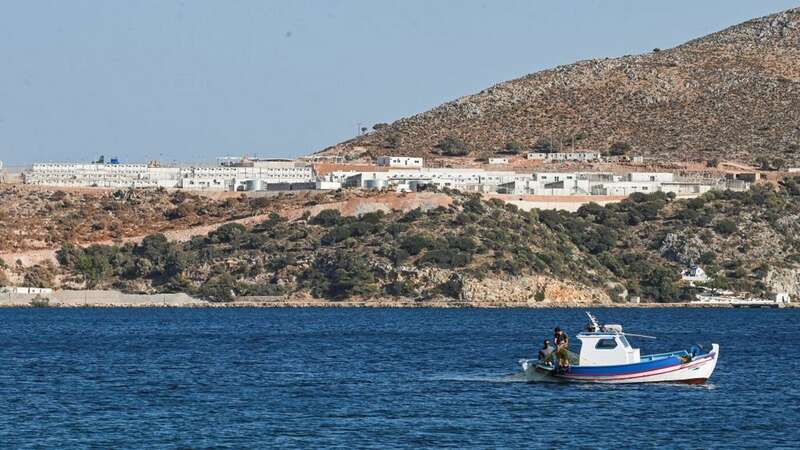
x=624, y=341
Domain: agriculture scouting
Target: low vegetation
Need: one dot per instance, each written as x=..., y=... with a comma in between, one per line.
x=639, y=245
x=453, y=146
x=33, y=218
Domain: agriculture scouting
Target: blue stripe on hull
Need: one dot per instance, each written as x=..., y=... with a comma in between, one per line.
x=624, y=369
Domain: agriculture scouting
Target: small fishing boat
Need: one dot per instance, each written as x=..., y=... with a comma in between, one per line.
x=606, y=356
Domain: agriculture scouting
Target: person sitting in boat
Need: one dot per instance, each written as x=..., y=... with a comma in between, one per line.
x=545, y=352
x=562, y=342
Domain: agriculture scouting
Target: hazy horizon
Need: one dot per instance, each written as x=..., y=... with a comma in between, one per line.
x=190, y=81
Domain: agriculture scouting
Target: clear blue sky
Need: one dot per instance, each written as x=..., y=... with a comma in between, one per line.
x=191, y=80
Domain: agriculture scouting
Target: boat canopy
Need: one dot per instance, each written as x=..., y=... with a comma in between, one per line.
x=606, y=348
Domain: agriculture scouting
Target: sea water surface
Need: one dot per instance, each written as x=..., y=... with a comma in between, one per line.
x=379, y=378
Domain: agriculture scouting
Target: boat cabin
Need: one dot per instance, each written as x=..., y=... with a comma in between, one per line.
x=606, y=348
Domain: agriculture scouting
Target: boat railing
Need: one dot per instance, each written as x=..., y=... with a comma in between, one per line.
x=664, y=355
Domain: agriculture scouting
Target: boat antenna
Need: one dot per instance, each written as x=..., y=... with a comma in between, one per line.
x=593, y=319
x=597, y=326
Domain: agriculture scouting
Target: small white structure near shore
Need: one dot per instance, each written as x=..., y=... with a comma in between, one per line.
x=695, y=274
x=24, y=290
x=778, y=300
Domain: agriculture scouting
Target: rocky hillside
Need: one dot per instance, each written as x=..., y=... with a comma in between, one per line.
x=470, y=250
x=733, y=95
x=46, y=218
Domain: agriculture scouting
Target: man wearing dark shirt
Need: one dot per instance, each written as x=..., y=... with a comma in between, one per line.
x=562, y=342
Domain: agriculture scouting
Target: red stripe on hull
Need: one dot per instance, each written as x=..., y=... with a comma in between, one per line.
x=650, y=373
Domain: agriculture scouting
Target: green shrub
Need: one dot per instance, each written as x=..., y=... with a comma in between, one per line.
x=340, y=276
x=336, y=235
x=373, y=217
x=791, y=185
x=551, y=218
x=445, y=258
x=415, y=243
x=513, y=148
x=260, y=202
x=474, y=205
x=220, y=288
x=543, y=146
x=327, y=218
x=619, y=148
x=461, y=242
x=412, y=216
x=181, y=211
x=725, y=227
x=453, y=146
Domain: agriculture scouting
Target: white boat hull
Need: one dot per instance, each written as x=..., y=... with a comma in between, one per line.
x=696, y=371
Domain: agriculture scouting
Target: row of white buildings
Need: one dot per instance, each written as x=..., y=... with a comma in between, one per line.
x=584, y=156
x=394, y=173
x=536, y=183
x=245, y=176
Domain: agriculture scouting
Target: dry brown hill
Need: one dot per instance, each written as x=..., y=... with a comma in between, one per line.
x=734, y=94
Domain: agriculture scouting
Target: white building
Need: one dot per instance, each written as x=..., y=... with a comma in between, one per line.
x=255, y=177
x=624, y=159
x=102, y=175
x=246, y=174
x=540, y=183
x=471, y=180
x=567, y=156
x=327, y=185
x=498, y=160
x=662, y=177
x=399, y=161
x=695, y=274
x=602, y=183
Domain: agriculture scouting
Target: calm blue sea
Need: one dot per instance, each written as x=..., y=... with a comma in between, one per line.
x=378, y=378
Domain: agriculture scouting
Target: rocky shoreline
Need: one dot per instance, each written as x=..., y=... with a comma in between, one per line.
x=115, y=299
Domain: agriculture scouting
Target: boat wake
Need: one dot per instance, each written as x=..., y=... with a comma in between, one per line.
x=519, y=377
